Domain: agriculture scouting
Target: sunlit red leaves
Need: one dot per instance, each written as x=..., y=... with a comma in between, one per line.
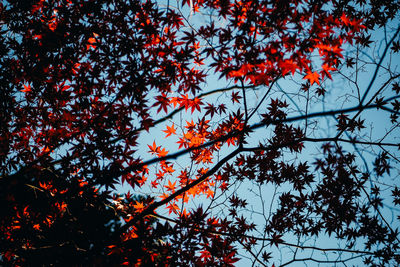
x=354, y=23
x=312, y=77
x=330, y=53
x=171, y=186
x=326, y=71
x=154, y=149
x=131, y=234
x=172, y=207
x=186, y=102
x=167, y=167
x=206, y=188
x=27, y=88
x=61, y=206
x=195, y=104
x=183, y=101
x=92, y=42
x=170, y=130
x=53, y=24
x=205, y=255
x=195, y=135
x=45, y=186
x=36, y=7
x=203, y=156
x=243, y=71
x=288, y=66
x=114, y=249
x=139, y=206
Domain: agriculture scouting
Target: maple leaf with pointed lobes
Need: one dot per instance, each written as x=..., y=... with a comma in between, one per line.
x=209, y=193
x=266, y=256
x=357, y=26
x=313, y=77
x=154, y=44
x=171, y=186
x=154, y=184
x=320, y=91
x=170, y=130
x=195, y=104
x=243, y=70
x=139, y=207
x=276, y=239
x=182, y=143
x=184, y=101
x=173, y=207
x=350, y=62
x=236, y=97
x=167, y=168
x=162, y=153
x=27, y=88
x=190, y=125
x=221, y=109
x=288, y=66
x=147, y=123
x=162, y=102
x=396, y=88
x=326, y=49
x=345, y=19
x=326, y=71
x=210, y=109
x=154, y=148
x=174, y=101
x=396, y=46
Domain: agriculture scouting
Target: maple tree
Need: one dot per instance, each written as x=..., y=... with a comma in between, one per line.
x=199, y=133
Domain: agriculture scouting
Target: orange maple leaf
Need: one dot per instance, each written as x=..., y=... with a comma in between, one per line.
x=27, y=88
x=185, y=102
x=209, y=193
x=190, y=125
x=171, y=186
x=195, y=104
x=154, y=184
x=154, y=148
x=170, y=130
x=139, y=207
x=162, y=153
x=175, y=100
x=325, y=71
x=168, y=168
x=312, y=77
x=172, y=208
x=288, y=66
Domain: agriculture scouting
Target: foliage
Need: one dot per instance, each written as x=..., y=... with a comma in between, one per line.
x=284, y=155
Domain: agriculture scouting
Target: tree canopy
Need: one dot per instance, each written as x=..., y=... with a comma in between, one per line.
x=199, y=132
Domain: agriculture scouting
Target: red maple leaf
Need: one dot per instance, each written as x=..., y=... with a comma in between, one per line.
x=170, y=130
x=326, y=71
x=312, y=77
